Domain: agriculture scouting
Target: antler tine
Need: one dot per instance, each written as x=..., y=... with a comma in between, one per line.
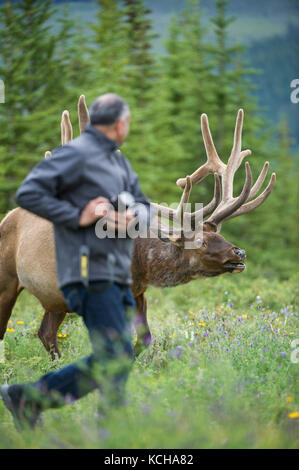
x=200, y=214
x=213, y=163
x=229, y=209
x=256, y=202
x=259, y=182
x=173, y=213
x=83, y=113
x=235, y=159
x=209, y=208
x=177, y=214
x=66, y=128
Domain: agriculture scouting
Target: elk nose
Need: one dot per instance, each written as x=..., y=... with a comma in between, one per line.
x=240, y=253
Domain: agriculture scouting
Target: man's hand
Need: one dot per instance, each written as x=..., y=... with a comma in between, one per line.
x=100, y=207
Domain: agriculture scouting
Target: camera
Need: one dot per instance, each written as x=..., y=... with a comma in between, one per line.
x=123, y=201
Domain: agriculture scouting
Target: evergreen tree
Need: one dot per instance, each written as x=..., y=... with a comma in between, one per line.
x=109, y=51
x=34, y=79
x=141, y=64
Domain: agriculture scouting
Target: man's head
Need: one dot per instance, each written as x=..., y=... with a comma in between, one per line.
x=111, y=115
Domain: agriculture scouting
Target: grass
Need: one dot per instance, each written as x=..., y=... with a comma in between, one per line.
x=218, y=375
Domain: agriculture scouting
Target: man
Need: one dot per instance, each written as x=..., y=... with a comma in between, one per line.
x=67, y=189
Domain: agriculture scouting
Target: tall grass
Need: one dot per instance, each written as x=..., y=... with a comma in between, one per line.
x=218, y=374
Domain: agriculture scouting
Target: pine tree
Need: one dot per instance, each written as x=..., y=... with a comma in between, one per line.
x=34, y=79
x=141, y=64
x=110, y=46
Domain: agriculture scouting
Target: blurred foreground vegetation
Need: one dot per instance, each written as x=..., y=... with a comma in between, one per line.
x=218, y=375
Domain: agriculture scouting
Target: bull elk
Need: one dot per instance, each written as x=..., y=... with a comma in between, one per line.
x=27, y=257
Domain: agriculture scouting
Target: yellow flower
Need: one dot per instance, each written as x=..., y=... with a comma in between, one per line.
x=202, y=324
x=10, y=330
x=10, y=322
x=20, y=322
x=60, y=335
x=244, y=316
x=289, y=399
x=293, y=415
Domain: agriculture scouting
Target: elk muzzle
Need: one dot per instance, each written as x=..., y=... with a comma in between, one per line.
x=236, y=265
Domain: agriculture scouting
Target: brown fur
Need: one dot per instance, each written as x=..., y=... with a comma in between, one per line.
x=27, y=261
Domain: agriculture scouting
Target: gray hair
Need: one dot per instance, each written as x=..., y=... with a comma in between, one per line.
x=108, y=109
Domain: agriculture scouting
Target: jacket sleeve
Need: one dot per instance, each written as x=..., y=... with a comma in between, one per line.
x=42, y=191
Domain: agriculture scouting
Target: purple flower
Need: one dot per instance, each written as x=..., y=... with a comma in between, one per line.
x=283, y=354
x=156, y=300
x=251, y=345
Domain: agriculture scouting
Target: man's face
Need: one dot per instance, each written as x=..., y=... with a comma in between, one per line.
x=122, y=129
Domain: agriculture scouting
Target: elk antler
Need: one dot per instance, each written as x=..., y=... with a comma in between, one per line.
x=66, y=128
x=229, y=206
x=66, y=125
x=83, y=113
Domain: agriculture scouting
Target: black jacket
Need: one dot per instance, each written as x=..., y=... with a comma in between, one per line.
x=58, y=189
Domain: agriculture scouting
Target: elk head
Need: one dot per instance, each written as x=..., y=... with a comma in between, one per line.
x=209, y=253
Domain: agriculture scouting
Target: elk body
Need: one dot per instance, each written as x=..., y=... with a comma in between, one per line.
x=27, y=251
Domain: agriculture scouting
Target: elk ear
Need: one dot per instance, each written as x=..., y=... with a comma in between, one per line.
x=209, y=227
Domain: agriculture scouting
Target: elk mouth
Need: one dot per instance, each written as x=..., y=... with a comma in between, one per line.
x=234, y=266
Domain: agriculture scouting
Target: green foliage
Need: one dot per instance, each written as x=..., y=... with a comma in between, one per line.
x=33, y=73
x=203, y=72
x=218, y=374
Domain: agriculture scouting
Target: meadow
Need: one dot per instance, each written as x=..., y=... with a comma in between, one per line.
x=218, y=374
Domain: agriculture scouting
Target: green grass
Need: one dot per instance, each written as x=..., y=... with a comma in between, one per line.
x=218, y=374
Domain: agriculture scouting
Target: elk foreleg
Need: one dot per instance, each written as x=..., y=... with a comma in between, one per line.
x=141, y=325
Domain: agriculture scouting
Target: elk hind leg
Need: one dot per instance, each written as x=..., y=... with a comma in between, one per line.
x=47, y=332
x=141, y=325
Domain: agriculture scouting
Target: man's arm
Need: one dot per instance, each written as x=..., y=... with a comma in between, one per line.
x=40, y=191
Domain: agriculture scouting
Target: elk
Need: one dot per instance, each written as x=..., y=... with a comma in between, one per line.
x=27, y=256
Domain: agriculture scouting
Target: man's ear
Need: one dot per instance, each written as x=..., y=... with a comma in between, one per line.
x=209, y=227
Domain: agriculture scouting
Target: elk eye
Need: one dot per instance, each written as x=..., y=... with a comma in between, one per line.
x=200, y=243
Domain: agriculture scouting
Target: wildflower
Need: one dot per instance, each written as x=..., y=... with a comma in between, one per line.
x=245, y=316
x=201, y=323
x=283, y=354
x=10, y=330
x=20, y=322
x=61, y=335
x=289, y=399
x=293, y=415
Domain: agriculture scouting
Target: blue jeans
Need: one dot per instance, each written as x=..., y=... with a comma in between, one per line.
x=107, y=367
